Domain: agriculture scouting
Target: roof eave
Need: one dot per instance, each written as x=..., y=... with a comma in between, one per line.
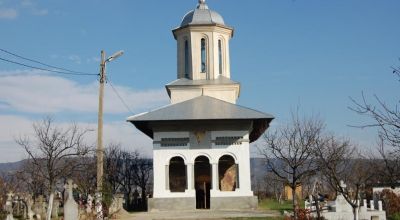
x=260, y=125
x=199, y=25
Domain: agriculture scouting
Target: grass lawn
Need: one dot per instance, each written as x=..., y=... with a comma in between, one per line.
x=272, y=204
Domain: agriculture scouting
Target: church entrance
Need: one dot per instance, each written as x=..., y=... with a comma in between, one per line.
x=202, y=176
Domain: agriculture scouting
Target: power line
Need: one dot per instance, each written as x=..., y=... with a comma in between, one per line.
x=119, y=96
x=48, y=70
x=44, y=64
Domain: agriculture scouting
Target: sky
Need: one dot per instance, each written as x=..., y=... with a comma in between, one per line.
x=285, y=53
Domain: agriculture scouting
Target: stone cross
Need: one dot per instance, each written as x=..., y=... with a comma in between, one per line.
x=10, y=195
x=89, y=204
x=8, y=206
x=342, y=184
x=70, y=187
x=55, y=208
x=71, y=211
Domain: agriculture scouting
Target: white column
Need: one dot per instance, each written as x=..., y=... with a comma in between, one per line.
x=166, y=177
x=190, y=176
x=372, y=205
x=380, y=208
x=215, y=179
x=365, y=206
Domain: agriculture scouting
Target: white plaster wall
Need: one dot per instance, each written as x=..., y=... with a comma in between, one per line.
x=194, y=36
x=181, y=95
x=162, y=156
x=227, y=93
x=380, y=189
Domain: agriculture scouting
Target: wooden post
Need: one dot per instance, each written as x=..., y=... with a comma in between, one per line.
x=100, y=148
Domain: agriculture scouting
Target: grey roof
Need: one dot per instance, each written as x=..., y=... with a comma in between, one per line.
x=203, y=108
x=200, y=108
x=202, y=15
x=187, y=82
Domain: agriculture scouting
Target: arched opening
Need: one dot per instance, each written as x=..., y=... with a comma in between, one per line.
x=186, y=59
x=203, y=56
x=220, y=56
x=228, y=173
x=177, y=175
x=202, y=175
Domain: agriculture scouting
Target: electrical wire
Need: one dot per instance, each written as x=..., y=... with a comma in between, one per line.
x=119, y=96
x=44, y=64
x=48, y=70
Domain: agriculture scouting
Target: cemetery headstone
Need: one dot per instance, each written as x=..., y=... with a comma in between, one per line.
x=71, y=211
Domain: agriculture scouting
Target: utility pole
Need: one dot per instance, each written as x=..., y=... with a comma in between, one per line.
x=100, y=147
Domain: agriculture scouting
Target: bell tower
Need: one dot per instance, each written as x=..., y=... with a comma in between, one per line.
x=201, y=141
x=203, y=56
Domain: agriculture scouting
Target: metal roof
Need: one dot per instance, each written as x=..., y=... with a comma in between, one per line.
x=202, y=15
x=202, y=108
x=187, y=82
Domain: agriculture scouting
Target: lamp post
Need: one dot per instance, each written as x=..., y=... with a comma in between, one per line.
x=100, y=147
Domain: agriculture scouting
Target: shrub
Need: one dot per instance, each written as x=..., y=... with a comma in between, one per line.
x=391, y=203
x=395, y=216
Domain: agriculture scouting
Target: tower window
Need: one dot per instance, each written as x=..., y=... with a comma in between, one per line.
x=203, y=56
x=186, y=59
x=220, y=56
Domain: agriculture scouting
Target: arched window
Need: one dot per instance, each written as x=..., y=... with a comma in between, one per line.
x=203, y=56
x=177, y=175
x=186, y=59
x=228, y=173
x=220, y=56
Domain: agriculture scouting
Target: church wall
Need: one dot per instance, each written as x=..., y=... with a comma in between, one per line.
x=194, y=35
x=162, y=156
x=225, y=93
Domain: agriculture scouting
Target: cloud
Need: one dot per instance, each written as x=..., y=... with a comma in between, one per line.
x=27, y=3
x=75, y=58
x=36, y=93
x=93, y=60
x=114, y=132
x=40, y=12
x=8, y=13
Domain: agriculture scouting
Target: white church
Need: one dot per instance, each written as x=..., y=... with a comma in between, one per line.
x=201, y=139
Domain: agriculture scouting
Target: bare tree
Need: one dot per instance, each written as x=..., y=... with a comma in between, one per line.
x=85, y=177
x=126, y=172
x=142, y=170
x=274, y=185
x=30, y=181
x=338, y=161
x=54, y=152
x=387, y=119
x=387, y=164
x=289, y=151
x=113, y=167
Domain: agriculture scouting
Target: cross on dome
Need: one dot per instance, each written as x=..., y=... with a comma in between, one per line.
x=202, y=4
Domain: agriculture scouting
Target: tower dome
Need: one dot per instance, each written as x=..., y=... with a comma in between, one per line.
x=202, y=15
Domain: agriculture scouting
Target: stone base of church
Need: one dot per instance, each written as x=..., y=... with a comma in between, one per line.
x=167, y=204
x=234, y=203
x=216, y=203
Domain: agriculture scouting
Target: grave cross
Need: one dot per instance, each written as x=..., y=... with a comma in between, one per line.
x=9, y=196
x=70, y=186
x=342, y=184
